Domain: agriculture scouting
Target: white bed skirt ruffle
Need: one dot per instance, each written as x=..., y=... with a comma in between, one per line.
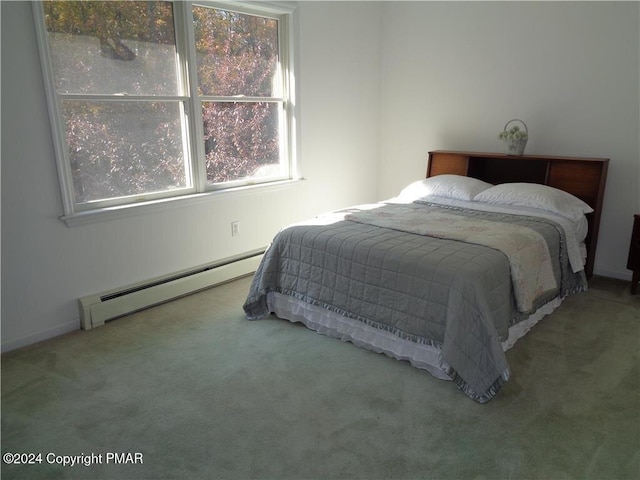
x=427, y=357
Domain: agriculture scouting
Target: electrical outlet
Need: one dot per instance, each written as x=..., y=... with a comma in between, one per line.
x=235, y=229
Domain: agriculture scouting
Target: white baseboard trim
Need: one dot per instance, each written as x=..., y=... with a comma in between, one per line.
x=620, y=275
x=41, y=336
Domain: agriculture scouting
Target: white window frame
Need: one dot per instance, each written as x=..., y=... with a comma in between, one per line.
x=197, y=188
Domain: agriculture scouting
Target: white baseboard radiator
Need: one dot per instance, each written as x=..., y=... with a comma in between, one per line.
x=97, y=309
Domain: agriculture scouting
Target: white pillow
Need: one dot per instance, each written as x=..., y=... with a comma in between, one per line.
x=449, y=186
x=538, y=196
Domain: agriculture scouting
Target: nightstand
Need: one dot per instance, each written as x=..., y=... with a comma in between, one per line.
x=634, y=254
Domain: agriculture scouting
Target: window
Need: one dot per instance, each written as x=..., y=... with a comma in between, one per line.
x=151, y=100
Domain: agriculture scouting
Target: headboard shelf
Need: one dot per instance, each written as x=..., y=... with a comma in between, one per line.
x=583, y=177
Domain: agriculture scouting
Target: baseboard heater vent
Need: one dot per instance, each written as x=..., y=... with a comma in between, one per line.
x=95, y=310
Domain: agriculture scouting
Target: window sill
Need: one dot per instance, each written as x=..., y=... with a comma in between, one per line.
x=144, y=208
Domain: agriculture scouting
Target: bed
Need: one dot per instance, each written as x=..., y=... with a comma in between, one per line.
x=449, y=274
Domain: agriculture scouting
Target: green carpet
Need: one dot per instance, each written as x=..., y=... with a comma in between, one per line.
x=202, y=393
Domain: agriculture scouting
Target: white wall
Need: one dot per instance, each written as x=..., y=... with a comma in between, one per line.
x=46, y=266
x=380, y=85
x=455, y=72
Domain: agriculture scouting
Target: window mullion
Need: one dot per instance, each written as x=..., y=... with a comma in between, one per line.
x=193, y=103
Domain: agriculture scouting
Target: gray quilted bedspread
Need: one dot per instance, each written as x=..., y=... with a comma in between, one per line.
x=450, y=294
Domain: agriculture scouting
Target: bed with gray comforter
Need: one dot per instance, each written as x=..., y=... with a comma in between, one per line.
x=457, y=286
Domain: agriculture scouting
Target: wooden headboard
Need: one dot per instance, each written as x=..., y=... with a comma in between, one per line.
x=584, y=178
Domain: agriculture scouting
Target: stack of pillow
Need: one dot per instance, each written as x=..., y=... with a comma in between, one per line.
x=527, y=195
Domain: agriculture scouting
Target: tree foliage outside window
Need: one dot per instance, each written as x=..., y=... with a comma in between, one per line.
x=132, y=127
x=237, y=56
